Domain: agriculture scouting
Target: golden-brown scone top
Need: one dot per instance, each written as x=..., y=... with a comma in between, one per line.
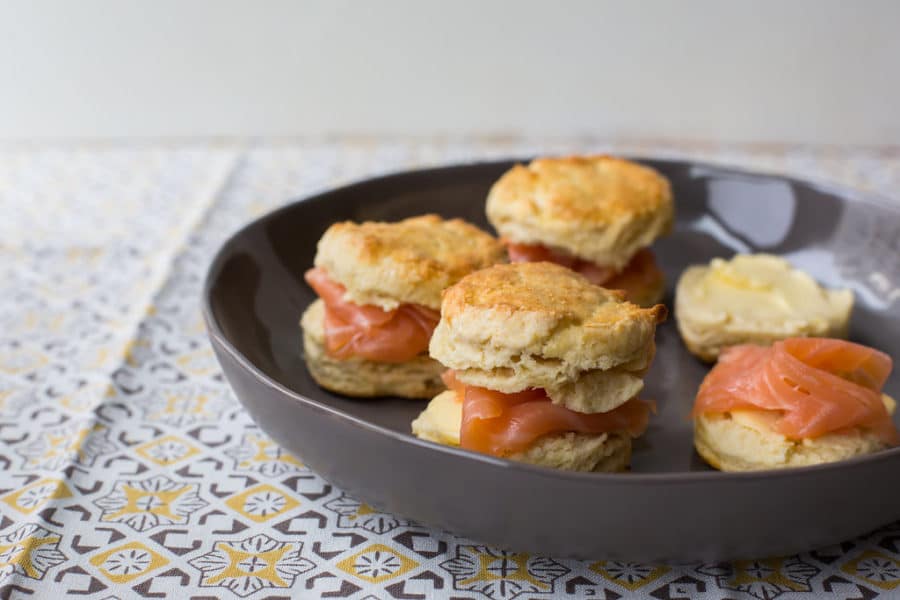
x=598, y=208
x=541, y=325
x=410, y=261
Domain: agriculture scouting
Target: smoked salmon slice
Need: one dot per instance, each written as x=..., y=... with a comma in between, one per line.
x=503, y=424
x=367, y=331
x=817, y=386
x=641, y=272
x=537, y=253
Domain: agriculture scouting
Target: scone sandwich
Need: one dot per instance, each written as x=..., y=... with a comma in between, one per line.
x=755, y=299
x=596, y=215
x=379, y=287
x=801, y=401
x=544, y=367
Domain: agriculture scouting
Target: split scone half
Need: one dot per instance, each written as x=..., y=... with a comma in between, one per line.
x=755, y=299
x=799, y=402
x=379, y=288
x=594, y=214
x=544, y=367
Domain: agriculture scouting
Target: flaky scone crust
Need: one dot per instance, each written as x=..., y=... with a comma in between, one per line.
x=598, y=208
x=541, y=325
x=410, y=261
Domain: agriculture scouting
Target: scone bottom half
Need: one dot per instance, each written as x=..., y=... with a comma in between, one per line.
x=418, y=378
x=538, y=346
x=442, y=419
x=744, y=441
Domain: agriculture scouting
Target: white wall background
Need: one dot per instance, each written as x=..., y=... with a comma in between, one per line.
x=824, y=71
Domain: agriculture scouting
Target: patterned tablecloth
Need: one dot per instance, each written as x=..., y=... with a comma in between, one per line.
x=127, y=467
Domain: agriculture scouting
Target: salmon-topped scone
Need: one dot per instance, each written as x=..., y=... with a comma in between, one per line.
x=379, y=288
x=596, y=215
x=543, y=367
x=801, y=401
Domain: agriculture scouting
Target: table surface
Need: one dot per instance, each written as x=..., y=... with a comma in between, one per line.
x=127, y=467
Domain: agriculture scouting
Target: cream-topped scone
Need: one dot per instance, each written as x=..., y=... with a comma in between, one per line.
x=380, y=290
x=538, y=345
x=754, y=298
x=594, y=214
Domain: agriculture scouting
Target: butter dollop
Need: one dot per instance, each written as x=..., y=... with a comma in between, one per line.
x=441, y=420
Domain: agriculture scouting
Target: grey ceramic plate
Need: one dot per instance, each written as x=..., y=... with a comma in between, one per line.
x=670, y=506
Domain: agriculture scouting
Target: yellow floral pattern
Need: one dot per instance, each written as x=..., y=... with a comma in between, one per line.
x=34, y=496
x=377, y=563
x=167, y=450
x=252, y=564
x=877, y=568
x=500, y=574
x=145, y=504
x=260, y=454
x=128, y=562
x=29, y=551
x=631, y=576
x=262, y=503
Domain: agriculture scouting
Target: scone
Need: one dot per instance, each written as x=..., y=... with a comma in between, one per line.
x=544, y=367
x=755, y=299
x=594, y=214
x=380, y=290
x=799, y=402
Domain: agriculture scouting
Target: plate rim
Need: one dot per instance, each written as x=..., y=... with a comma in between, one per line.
x=218, y=337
